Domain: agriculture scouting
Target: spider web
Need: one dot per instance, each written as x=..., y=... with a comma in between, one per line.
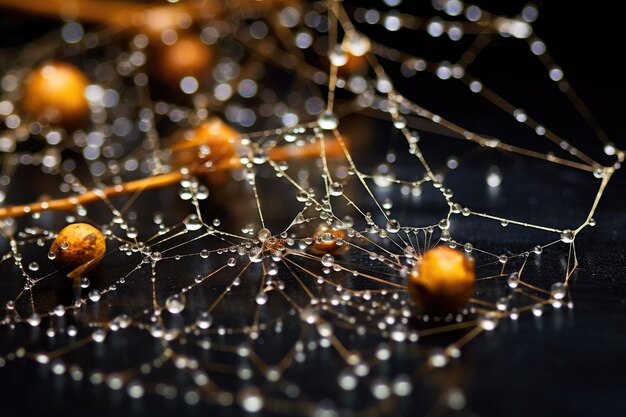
x=217, y=274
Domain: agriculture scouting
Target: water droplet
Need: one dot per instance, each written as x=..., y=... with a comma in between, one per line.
x=264, y=234
x=261, y=298
x=192, y=222
x=33, y=266
x=503, y=259
x=94, y=295
x=357, y=44
x=558, y=290
x=302, y=196
x=567, y=236
x=347, y=380
x=336, y=189
x=309, y=315
x=444, y=224
x=325, y=329
x=99, y=335
x=250, y=399
x=513, y=280
x=204, y=321
x=255, y=254
x=393, y=226
x=494, y=177
x=338, y=57
x=59, y=310
x=175, y=304
x=328, y=260
x=538, y=249
x=84, y=282
x=328, y=120
x=52, y=255
x=34, y=319
x=488, y=321
x=537, y=310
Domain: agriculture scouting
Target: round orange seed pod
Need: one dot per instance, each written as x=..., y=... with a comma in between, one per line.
x=355, y=65
x=54, y=93
x=187, y=57
x=79, y=247
x=325, y=239
x=443, y=280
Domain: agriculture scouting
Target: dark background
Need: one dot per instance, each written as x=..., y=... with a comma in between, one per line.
x=566, y=363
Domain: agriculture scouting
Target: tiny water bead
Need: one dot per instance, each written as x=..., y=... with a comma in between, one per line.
x=443, y=280
x=78, y=247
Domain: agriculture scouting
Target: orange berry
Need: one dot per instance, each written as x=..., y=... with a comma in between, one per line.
x=325, y=239
x=187, y=57
x=355, y=65
x=54, y=93
x=79, y=246
x=443, y=280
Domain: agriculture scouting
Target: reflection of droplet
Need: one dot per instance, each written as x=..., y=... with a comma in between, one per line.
x=494, y=177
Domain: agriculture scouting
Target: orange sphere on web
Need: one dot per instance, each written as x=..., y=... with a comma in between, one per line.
x=188, y=56
x=78, y=246
x=443, y=280
x=325, y=239
x=54, y=93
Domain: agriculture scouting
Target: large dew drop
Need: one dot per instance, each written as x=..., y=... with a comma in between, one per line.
x=175, y=304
